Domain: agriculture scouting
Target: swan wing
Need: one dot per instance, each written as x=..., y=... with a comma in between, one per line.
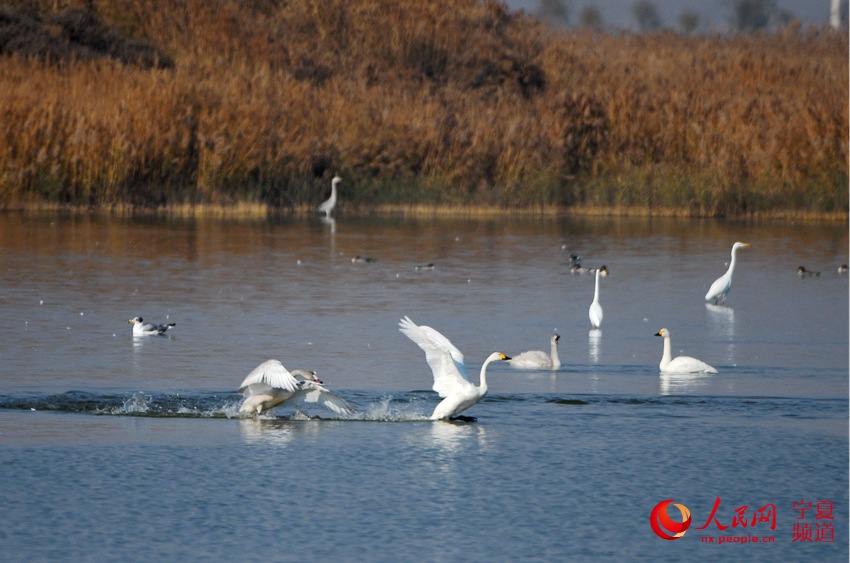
x=444, y=359
x=313, y=393
x=270, y=373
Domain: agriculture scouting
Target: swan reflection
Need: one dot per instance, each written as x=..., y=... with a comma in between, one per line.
x=273, y=432
x=682, y=384
x=451, y=437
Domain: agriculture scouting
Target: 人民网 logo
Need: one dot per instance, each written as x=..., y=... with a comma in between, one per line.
x=664, y=526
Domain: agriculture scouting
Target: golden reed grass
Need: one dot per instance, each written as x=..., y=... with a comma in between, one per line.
x=446, y=103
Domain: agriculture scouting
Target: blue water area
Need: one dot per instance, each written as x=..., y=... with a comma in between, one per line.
x=121, y=448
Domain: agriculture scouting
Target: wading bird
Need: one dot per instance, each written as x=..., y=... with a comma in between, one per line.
x=721, y=286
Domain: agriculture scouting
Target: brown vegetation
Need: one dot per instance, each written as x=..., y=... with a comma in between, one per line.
x=446, y=102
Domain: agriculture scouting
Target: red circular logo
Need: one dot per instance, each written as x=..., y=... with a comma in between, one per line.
x=664, y=526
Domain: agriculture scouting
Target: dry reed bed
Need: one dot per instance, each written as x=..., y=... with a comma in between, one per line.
x=428, y=103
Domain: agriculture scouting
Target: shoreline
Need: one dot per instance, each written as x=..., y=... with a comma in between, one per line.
x=246, y=210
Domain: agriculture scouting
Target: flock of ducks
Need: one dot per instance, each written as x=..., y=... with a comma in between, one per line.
x=270, y=384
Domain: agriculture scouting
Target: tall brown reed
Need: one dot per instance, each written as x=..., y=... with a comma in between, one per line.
x=450, y=102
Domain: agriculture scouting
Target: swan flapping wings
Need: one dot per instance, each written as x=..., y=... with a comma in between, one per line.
x=270, y=384
x=444, y=359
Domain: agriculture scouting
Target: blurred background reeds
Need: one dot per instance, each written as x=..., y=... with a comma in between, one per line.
x=158, y=103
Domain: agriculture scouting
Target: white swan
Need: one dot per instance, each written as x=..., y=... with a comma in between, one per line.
x=446, y=362
x=721, y=286
x=595, y=311
x=680, y=364
x=537, y=359
x=270, y=384
x=328, y=205
x=141, y=328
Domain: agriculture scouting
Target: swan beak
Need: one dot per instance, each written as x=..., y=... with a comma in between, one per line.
x=504, y=358
x=130, y=321
x=658, y=333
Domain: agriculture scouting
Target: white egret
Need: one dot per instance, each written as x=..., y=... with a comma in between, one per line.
x=680, y=364
x=328, y=205
x=802, y=272
x=141, y=328
x=446, y=362
x=270, y=384
x=721, y=286
x=595, y=311
x=537, y=359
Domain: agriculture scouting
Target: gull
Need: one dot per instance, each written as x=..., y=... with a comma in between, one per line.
x=450, y=379
x=141, y=328
x=270, y=384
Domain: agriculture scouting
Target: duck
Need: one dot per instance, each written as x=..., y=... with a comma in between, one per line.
x=803, y=272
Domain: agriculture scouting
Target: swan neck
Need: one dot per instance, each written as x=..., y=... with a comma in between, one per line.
x=667, y=356
x=596, y=291
x=482, y=388
x=556, y=361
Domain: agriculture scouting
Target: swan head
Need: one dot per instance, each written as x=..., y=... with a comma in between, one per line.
x=603, y=270
x=663, y=332
x=135, y=321
x=497, y=356
x=555, y=338
x=306, y=375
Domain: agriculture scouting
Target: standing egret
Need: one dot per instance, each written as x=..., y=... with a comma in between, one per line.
x=141, y=328
x=537, y=359
x=328, y=205
x=680, y=364
x=721, y=286
x=270, y=384
x=595, y=311
x=446, y=362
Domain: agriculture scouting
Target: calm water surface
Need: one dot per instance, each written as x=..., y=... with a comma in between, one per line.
x=119, y=448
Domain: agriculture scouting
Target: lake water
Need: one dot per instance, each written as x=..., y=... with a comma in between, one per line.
x=131, y=449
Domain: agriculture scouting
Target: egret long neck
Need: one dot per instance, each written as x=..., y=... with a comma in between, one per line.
x=667, y=356
x=732, y=262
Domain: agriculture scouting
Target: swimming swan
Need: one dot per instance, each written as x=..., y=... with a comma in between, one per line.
x=328, y=205
x=595, y=311
x=680, y=364
x=446, y=362
x=721, y=286
x=141, y=328
x=537, y=359
x=270, y=384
